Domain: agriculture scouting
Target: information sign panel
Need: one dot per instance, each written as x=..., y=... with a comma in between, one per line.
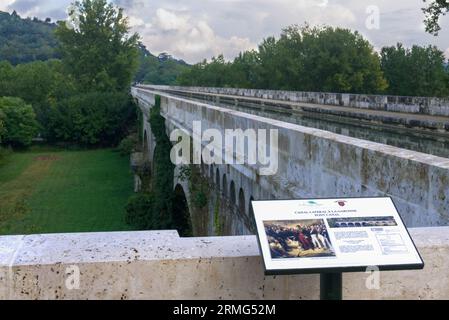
x=333, y=235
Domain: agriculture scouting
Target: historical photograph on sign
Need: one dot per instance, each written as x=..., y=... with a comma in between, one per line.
x=298, y=239
x=362, y=222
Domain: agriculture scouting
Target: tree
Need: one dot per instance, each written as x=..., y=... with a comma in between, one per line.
x=337, y=60
x=245, y=70
x=433, y=12
x=20, y=126
x=26, y=40
x=2, y=125
x=6, y=79
x=96, y=47
x=38, y=83
x=215, y=73
x=271, y=75
x=418, y=71
x=91, y=119
x=304, y=58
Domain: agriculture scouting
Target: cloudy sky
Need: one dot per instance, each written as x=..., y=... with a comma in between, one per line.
x=197, y=29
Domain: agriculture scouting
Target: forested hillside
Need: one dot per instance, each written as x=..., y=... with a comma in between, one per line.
x=26, y=40
x=163, y=69
x=30, y=39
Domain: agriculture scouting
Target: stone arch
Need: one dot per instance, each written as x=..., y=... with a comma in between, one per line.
x=181, y=213
x=224, y=185
x=232, y=193
x=242, y=203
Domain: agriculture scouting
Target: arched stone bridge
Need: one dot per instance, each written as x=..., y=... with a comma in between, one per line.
x=313, y=163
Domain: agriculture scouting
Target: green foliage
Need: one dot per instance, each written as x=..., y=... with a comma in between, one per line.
x=218, y=226
x=40, y=84
x=19, y=125
x=91, y=119
x=198, y=185
x=304, y=58
x=418, y=71
x=139, y=211
x=128, y=145
x=162, y=183
x=217, y=73
x=26, y=40
x=159, y=207
x=2, y=124
x=76, y=100
x=162, y=70
x=140, y=128
x=97, y=50
x=433, y=12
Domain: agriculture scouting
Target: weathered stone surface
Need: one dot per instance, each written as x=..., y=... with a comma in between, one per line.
x=422, y=105
x=317, y=163
x=160, y=265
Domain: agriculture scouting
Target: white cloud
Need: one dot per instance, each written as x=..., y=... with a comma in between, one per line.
x=170, y=21
x=4, y=4
x=189, y=38
x=135, y=22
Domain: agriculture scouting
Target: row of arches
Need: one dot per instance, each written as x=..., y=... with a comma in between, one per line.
x=228, y=189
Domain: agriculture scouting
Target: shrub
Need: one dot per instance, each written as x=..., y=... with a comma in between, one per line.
x=128, y=145
x=95, y=118
x=19, y=125
x=139, y=211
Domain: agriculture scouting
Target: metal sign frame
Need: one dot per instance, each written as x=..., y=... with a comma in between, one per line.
x=336, y=270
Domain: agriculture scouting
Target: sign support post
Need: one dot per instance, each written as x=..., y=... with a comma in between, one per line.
x=331, y=286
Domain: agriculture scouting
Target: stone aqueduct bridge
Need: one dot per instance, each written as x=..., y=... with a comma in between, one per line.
x=312, y=163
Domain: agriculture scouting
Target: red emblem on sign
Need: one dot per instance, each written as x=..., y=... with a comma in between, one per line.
x=341, y=203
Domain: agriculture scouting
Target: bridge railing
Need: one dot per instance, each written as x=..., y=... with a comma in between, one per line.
x=161, y=265
x=403, y=104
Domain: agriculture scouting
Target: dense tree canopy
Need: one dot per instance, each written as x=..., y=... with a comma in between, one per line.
x=84, y=97
x=162, y=70
x=419, y=71
x=26, y=40
x=97, y=118
x=327, y=59
x=96, y=46
x=304, y=58
x=40, y=84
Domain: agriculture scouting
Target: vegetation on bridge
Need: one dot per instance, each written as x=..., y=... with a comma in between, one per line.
x=155, y=208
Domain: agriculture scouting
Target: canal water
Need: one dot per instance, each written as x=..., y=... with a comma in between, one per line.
x=424, y=141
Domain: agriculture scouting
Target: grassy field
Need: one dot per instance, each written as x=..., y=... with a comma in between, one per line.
x=48, y=191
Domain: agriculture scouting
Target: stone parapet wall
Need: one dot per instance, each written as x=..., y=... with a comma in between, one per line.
x=419, y=105
x=161, y=265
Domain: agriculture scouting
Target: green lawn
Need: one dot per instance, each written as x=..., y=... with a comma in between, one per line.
x=64, y=191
